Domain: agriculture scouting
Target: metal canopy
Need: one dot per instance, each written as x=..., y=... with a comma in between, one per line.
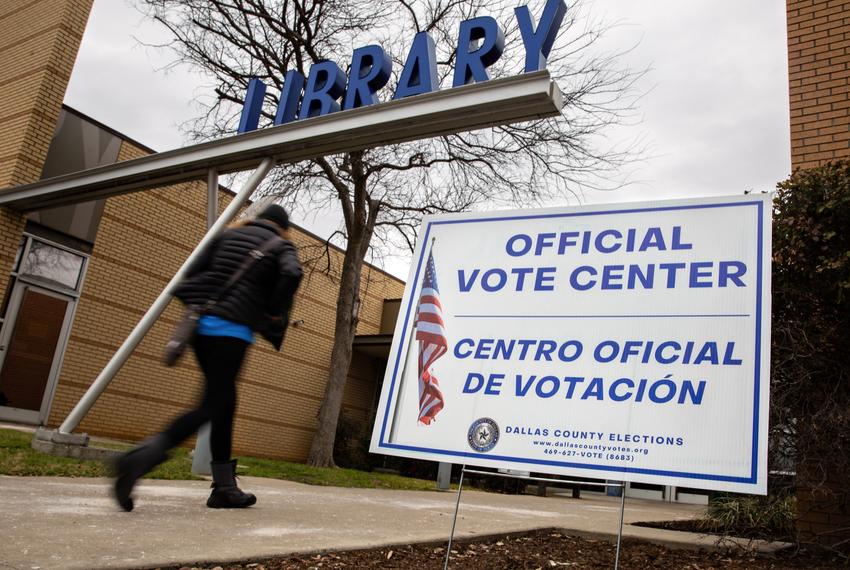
x=496, y=102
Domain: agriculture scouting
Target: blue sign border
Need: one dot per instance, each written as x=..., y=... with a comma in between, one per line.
x=752, y=479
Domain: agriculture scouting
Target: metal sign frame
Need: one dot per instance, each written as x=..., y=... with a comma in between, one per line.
x=621, y=485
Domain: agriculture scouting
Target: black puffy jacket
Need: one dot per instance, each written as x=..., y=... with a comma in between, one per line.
x=262, y=297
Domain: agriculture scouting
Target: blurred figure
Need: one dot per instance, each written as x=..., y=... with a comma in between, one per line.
x=259, y=301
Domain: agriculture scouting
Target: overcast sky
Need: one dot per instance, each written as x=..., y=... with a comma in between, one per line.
x=714, y=116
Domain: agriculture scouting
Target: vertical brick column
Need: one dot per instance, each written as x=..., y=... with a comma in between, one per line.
x=39, y=40
x=819, y=88
x=823, y=506
x=819, y=80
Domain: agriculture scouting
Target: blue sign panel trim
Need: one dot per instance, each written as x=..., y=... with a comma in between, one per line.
x=751, y=479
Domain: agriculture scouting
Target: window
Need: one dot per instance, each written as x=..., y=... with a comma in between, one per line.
x=49, y=263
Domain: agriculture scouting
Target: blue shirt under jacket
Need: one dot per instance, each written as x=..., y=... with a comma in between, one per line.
x=211, y=325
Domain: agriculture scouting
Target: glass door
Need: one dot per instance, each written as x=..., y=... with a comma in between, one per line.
x=39, y=308
x=28, y=350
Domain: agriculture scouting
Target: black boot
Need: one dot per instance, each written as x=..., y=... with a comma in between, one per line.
x=131, y=466
x=225, y=494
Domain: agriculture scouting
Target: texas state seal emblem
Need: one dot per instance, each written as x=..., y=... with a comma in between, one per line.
x=483, y=434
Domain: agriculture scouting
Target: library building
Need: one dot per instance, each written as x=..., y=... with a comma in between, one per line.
x=76, y=279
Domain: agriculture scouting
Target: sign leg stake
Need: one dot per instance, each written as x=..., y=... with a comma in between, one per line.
x=454, y=519
x=621, y=485
x=620, y=530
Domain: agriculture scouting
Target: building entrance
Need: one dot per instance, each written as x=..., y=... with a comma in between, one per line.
x=36, y=324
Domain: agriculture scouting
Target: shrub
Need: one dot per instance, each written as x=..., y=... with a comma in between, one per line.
x=810, y=384
x=351, y=446
x=351, y=450
x=810, y=381
x=751, y=517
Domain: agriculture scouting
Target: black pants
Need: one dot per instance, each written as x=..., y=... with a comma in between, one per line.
x=220, y=358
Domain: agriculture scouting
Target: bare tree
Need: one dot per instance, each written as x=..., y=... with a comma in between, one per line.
x=383, y=193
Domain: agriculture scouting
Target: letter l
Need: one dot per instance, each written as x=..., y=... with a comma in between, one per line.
x=253, y=106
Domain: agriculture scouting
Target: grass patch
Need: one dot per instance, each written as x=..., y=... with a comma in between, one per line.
x=334, y=477
x=18, y=458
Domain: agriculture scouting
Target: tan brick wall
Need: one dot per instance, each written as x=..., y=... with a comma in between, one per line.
x=142, y=240
x=38, y=45
x=819, y=80
x=11, y=229
x=39, y=40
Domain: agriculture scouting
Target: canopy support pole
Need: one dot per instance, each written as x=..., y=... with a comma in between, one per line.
x=153, y=313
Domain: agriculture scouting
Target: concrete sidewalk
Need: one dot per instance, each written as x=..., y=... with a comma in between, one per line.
x=73, y=523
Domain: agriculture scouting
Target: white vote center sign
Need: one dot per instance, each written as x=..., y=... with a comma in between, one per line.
x=626, y=342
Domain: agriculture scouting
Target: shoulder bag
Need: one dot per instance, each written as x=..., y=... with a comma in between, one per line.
x=186, y=329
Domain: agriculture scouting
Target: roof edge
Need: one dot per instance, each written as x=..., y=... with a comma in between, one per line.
x=144, y=147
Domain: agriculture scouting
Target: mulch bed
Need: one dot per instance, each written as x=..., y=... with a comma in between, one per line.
x=546, y=549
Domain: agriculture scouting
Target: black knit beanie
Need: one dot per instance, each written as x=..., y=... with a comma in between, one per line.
x=276, y=214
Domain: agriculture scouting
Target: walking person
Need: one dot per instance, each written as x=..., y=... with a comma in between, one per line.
x=258, y=301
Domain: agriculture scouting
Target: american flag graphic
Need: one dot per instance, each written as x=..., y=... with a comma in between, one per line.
x=431, y=334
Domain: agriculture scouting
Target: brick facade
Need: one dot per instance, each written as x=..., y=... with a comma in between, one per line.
x=38, y=46
x=819, y=80
x=142, y=240
x=823, y=506
x=819, y=85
